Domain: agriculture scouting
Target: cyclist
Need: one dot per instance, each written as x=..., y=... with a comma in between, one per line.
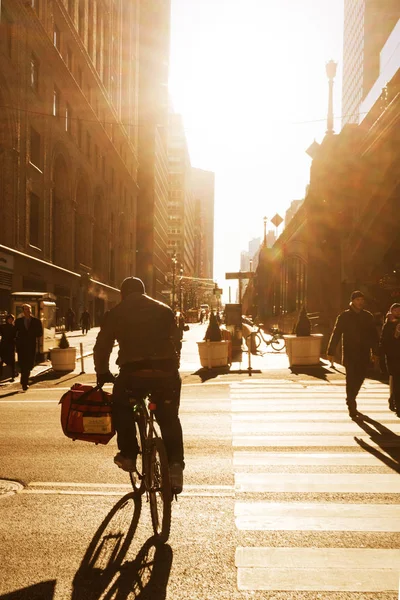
x=148, y=338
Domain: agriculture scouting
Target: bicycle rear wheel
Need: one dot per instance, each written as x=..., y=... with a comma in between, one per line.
x=256, y=339
x=136, y=477
x=160, y=494
x=278, y=344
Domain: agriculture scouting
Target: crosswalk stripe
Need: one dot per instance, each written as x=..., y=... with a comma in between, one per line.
x=315, y=441
x=308, y=428
x=313, y=569
x=285, y=516
x=307, y=417
x=305, y=459
x=372, y=483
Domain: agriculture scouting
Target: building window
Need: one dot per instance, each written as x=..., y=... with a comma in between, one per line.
x=81, y=18
x=56, y=102
x=88, y=145
x=68, y=117
x=69, y=58
x=7, y=25
x=56, y=37
x=34, y=73
x=79, y=133
x=80, y=77
x=35, y=149
x=34, y=209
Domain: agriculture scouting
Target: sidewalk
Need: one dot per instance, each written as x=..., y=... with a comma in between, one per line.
x=266, y=363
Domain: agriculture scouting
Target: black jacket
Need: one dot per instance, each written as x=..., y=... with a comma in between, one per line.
x=389, y=345
x=359, y=336
x=25, y=339
x=145, y=330
x=7, y=344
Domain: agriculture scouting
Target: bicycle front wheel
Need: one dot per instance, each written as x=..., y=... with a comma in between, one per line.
x=256, y=339
x=137, y=477
x=278, y=344
x=160, y=494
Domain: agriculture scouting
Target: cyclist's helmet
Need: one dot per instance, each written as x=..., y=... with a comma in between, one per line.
x=132, y=285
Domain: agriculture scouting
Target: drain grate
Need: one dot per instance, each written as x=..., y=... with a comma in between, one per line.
x=8, y=487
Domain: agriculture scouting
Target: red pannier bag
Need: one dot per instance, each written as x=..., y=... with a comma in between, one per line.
x=86, y=414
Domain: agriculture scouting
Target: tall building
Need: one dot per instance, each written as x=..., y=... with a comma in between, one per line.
x=292, y=210
x=181, y=203
x=203, y=183
x=153, y=177
x=367, y=26
x=68, y=149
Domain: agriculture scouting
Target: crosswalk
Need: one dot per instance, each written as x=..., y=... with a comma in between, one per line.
x=317, y=495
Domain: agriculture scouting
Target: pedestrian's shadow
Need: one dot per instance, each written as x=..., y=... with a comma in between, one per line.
x=206, y=374
x=106, y=552
x=384, y=437
x=318, y=371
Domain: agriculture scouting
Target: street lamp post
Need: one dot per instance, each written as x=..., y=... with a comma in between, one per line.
x=331, y=74
x=265, y=230
x=180, y=289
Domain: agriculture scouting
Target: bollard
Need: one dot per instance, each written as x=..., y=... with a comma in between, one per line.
x=82, y=365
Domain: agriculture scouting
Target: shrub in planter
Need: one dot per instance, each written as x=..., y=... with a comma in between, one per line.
x=303, y=325
x=63, y=343
x=213, y=333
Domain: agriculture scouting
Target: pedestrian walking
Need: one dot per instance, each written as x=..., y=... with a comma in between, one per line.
x=70, y=320
x=356, y=328
x=7, y=345
x=85, y=321
x=389, y=346
x=27, y=330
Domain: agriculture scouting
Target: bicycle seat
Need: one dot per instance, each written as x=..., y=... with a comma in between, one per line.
x=151, y=373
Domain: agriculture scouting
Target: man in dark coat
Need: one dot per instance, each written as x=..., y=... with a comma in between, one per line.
x=389, y=346
x=85, y=321
x=27, y=330
x=148, y=339
x=356, y=327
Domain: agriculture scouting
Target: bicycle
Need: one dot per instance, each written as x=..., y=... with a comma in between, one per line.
x=152, y=470
x=276, y=341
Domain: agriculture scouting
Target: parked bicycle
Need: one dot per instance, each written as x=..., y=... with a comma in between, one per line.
x=152, y=471
x=276, y=340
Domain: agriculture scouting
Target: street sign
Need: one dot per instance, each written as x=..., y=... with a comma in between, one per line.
x=217, y=291
x=276, y=220
x=240, y=275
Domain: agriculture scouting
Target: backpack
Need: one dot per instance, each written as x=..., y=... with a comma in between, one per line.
x=86, y=414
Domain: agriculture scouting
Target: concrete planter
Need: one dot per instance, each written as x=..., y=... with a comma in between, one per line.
x=213, y=354
x=63, y=359
x=303, y=350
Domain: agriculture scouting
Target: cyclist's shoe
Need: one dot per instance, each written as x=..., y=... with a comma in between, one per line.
x=176, y=477
x=124, y=463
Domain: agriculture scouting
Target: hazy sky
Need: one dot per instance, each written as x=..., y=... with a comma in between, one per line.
x=249, y=79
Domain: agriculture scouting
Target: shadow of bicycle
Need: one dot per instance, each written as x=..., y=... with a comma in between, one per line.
x=105, y=572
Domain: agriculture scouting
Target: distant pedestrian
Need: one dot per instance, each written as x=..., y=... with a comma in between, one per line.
x=356, y=327
x=70, y=320
x=7, y=345
x=27, y=329
x=202, y=315
x=85, y=321
x=389, y=346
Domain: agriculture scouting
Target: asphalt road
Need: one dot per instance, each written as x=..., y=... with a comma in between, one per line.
x=284, y=496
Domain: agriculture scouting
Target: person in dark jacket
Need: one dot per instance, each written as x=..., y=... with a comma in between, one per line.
x=7, y=345
x=85, y=321
x=70, y=320
x=390, y=349
x=356, y=327
x=148, y=338
x=27, y=331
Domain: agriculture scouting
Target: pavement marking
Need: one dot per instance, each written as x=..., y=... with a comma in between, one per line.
x=364, y=459
x=320, y=441
x=114, y=489
x=309, y=428
x=344, y=483
x=308, y=417
x=310, y=569
x=297, y=516
x=117, y=485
